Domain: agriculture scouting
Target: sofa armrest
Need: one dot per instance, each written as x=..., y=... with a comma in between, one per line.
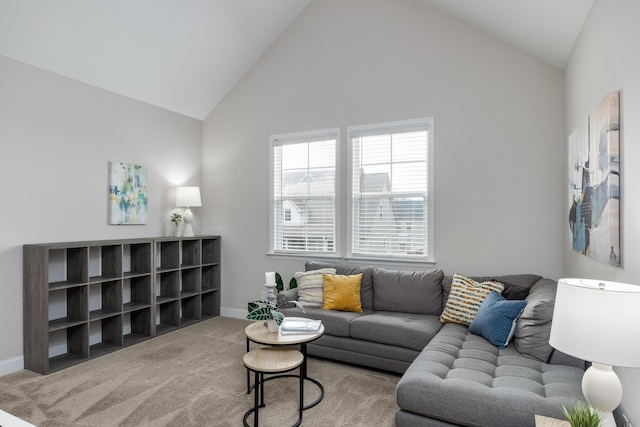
x=288, y=295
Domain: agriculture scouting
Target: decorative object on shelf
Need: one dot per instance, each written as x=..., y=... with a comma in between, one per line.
x=176, y=219
x=582, y=416
x=268, y=311
x=594, y=183
x=128, y=193
x=593, y=320
x=188, y=197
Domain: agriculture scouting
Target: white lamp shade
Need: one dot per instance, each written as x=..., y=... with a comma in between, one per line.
x=188, y=197
x=597, y=321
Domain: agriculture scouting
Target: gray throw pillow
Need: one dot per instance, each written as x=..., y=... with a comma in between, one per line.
x=408, y=291
x=531, y=337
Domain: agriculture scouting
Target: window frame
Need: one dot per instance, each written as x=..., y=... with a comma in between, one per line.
x=381, y=129
x=298, y=138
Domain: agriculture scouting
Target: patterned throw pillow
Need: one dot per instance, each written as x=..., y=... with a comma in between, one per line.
x=311, y=285
x=496, y=319
x=465, y=298
x=342, y=292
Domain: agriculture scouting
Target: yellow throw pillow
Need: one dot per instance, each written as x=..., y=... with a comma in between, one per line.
x=342, y=292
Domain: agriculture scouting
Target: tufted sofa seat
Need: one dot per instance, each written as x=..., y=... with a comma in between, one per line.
x=492, y=386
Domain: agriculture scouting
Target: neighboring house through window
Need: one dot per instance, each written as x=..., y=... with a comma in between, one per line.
x=303, y=192
x=391, y=197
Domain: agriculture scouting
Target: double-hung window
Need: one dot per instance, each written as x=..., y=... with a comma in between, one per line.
x=303, y=191
x=391, y=201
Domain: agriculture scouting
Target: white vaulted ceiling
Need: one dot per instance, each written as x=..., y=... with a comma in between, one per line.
x=185, y=55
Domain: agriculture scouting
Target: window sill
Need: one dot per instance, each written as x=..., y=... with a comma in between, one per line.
x=374, y=261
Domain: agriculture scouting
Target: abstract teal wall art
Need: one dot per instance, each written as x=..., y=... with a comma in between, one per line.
x=594, y=183
x=128, y=193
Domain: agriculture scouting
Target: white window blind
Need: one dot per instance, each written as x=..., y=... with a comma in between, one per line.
x=304, y=192
x=390, y=183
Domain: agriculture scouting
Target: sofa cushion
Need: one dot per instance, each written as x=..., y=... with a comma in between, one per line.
x=366, y=286
x=496, y=319
x=516, y=286
x=408, y=330
x=465, y=299
x=408, y=291
x=311, y=286
x=462, y=379
x=342, y=292
x=533, y=328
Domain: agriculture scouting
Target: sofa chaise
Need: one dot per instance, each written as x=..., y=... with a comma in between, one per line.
x=450, y=376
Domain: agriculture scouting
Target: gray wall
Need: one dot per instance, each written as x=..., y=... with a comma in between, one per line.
x=606, y=58
x=499, y=134
x=57, y=137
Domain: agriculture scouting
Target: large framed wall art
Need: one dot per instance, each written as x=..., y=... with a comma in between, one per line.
x=594, y=183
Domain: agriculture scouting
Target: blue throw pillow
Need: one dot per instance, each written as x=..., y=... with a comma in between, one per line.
x=496, y=319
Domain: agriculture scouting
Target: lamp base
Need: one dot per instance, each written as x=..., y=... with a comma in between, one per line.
x=603, y=390
x=187, y=217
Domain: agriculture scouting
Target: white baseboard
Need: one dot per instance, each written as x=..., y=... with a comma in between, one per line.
x=233, y=312
x=9, y=366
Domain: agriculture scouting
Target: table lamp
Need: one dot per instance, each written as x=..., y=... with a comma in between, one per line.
x=187, y=197
x=598, y=321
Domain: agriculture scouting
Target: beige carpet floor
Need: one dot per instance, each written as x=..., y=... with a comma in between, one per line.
x=193, y=377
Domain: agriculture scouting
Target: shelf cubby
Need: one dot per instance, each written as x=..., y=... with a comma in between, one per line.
x=137, y=259
x=105, y=263
x=74, y=349
x=190, y=310
x=105, y=335
x=167, y=286
x=190, y=282
x=105, y=299
x=167, y=316
x=190, y=252
x=210, y=251
x=137, y=326
x=210, y=304
x=136, y=293
x=167, y=255
x=210, y=279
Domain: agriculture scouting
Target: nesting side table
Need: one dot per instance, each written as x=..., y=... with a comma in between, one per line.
x=258, y=333
x=271, y=360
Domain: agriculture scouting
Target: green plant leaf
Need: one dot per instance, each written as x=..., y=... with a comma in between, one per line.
x=279, y=284
x=582, y=416
x=277, y=316
x=293, y=283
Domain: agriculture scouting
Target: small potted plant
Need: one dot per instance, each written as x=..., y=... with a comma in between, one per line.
x=268, y=311
x=176, y=219
x=582, y=416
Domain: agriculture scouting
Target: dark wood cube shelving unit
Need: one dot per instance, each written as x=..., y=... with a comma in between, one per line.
x=86, y=299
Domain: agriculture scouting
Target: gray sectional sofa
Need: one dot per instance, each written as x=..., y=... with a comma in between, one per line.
x=450, y=377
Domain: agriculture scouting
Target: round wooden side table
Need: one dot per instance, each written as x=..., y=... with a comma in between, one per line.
x=271, y=360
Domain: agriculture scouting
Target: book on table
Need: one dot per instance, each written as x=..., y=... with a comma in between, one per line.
x=299, y=325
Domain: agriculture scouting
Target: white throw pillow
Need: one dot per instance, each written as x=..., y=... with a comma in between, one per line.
x=311, y=286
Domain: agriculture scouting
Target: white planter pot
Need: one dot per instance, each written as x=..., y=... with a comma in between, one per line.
x=272, y=325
